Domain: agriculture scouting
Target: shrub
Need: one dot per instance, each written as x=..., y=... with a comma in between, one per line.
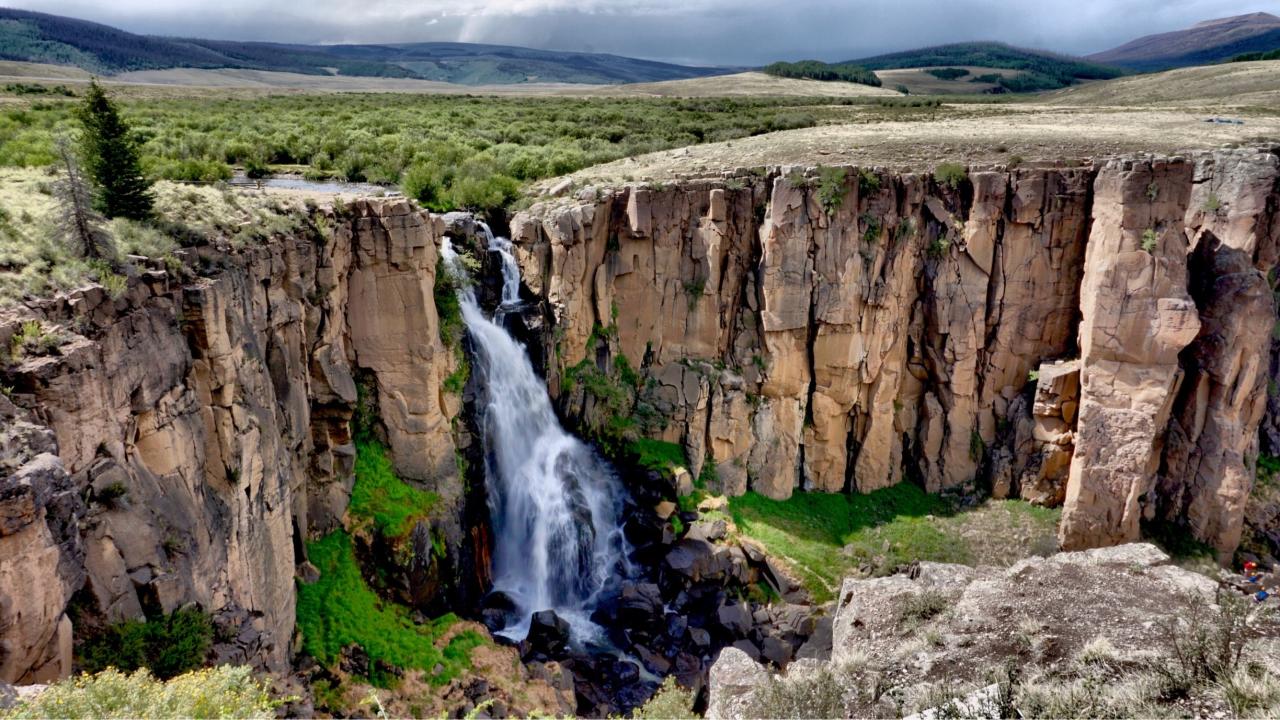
x=226, y=691
x=831, y=188
x=1150, y=239
x=1205, y=643
x=916, y=608
x=670, y=702
x=32, y=339
x=448, y=307
x=868, y=182
x=111, y=493
x=255, y=169
x=168, y=645
x=950, y=175
x=947, y=73
x=816, y=695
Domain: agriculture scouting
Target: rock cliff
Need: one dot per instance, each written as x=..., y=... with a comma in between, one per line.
x=1096, y=337
x=177, y=443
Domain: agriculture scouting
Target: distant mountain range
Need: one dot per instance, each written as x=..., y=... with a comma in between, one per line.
x=39, y=37
x=1207, y=42
x=1040, y=70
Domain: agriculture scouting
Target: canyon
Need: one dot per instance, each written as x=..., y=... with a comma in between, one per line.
x=1096, y=337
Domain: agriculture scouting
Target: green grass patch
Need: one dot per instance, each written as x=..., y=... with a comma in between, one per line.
x=339, y=609
x=382, y=498
x=664, y=457
x=826, y=536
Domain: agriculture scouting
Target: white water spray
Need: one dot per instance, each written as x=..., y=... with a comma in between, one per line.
x=555, y=504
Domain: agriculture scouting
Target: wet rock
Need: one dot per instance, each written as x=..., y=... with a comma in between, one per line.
x=548, y=635
x=496, y=610
x=677, y=626
x=626, y=672
x=656, y=663
x=639, y=604
x=700, y=638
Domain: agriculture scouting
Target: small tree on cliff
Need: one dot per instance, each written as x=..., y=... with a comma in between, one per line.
x=78, y=226
x=110, y=152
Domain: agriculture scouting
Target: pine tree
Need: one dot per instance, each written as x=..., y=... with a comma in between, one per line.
x=110, y=152
x=78, y=226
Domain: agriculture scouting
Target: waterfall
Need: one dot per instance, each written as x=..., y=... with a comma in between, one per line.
x=555, y=503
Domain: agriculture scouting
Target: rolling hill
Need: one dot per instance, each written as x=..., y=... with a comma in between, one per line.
x=1040, y=70
x=42, y=38
x=1207, y=42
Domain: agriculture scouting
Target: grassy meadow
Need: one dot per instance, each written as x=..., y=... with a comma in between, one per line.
x=449, y=151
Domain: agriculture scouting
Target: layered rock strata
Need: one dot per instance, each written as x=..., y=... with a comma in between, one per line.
x=207, y=427
x=1093, y=336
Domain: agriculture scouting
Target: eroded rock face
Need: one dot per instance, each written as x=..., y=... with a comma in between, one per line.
x=208, y=425
x=845, y=335
x=1137, y=317
x=1208, y=468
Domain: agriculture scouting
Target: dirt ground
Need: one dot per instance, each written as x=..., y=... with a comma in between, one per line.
x=975, y=135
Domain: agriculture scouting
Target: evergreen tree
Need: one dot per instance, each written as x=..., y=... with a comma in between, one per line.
x=78, y=226
x=110, y=152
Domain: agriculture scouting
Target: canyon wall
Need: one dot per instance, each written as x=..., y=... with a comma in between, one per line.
x=178, y=443
x=1096, y=337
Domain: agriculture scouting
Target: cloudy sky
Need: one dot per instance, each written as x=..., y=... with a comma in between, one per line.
x=709, y=32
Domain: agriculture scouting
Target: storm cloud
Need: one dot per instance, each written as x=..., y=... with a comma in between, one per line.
x=704, y=32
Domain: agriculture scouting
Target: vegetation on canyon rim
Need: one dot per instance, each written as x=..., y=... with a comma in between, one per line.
x=448, y=151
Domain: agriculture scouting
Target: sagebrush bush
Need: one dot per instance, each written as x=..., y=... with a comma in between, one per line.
x=917, y=608
x=817, y=695
x=670, y=702
x=222, y=692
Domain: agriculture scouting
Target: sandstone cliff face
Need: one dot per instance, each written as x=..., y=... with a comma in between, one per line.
x=206, y=426
x=1037, y=331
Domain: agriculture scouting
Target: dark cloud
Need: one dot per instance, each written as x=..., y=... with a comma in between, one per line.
x=710, y=32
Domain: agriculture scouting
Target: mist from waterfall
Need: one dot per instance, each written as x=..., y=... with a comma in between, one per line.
x=555, y=504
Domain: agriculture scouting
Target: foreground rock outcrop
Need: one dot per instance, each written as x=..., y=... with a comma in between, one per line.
x=1096, y=337
x=942, y=631
x=207, y=426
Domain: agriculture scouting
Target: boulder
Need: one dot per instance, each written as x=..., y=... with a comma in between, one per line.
x=734, y=619
x=548, y=635
x=733, y=677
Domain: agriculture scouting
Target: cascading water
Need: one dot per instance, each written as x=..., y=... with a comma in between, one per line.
x=555, y=504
